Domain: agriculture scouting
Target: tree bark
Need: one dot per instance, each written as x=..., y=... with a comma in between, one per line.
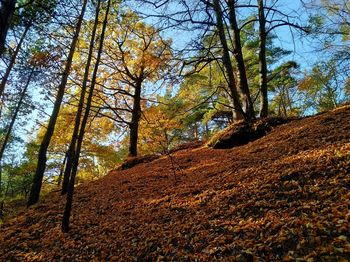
x=13, y=59
x=238, y=55
x=71, y=149
x=135, y=119
x=6, y=13
x=39, y=173
x=264, y=107
x=70, y=191
x=237, y=108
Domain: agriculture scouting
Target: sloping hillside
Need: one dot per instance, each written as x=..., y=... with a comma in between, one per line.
x=284, y=196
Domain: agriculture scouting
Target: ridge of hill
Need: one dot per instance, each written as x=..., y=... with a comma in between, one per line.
x=282, y=197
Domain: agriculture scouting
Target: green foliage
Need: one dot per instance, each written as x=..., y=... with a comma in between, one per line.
x=323, y=87
x=37, y=11
x=17, y=178
x=206, y=91
x=283, y=85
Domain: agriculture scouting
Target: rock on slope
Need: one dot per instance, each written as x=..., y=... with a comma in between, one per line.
x=284, y=196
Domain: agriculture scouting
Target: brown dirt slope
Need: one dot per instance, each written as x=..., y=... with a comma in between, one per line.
x=284, y=197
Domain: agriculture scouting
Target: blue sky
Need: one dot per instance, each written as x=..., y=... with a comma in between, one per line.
x=302, y=47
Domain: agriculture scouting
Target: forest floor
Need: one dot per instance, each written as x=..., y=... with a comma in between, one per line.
x=283, y=197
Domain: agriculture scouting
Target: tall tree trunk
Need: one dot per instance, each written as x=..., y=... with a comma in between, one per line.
x=135, y=119
x=9, y=130
x=71, y=149
x=13, y=59
x=70, y=191
x=6, y=13
x=14, y=117
x=237, y=108
x=39, y=173
x=238, y=54
x=264, y=107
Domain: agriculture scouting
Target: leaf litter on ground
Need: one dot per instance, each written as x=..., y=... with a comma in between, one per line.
x=283, y=197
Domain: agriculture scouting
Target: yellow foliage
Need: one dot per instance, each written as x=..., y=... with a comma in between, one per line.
x=155, y=131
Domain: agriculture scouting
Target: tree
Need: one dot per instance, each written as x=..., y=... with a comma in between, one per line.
x=211, y=78
x=70, y=191
x=13, y=59
x=138, y=56
x=7, y=9
x=97, y=154
x=274, y=18
x=33, y=14
x=205, y=102
x=283, y=84
x=323, y=87
x=39, y=174
x=238, y=110
x=71, y=149
x=14, y=117
x=330, y=20
x=161, y=126
x=238, y=55
x=262, y=61
x=17, y=178
x=228, y=20
x=34, y=62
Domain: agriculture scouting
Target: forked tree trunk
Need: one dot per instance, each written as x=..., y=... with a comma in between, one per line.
x=238, y=55
x=6, y=13
x=70, y=191
x=71, y=149
x=39, y=173
x=264, y=106
x=237, y=108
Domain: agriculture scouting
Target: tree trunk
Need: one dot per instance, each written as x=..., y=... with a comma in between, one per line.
x=13, y=60
x=135, y=119
x=6, y=13
x=9, y=130
x=70, y=191
x=238, y=112
x=238, y=54
x=14, y=117
x=264, y=107
x=71, y=149
x=39, y=173
x=1, y=210
x=283, y=102
x=59, y=180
